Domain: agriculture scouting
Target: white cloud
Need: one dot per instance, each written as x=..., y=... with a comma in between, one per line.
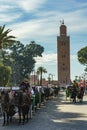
x=27, y=5
x=4, y=8
x=30, y=5
x=37, y=29
x=25, y=29
x=8, y=12
x=47, y=59
x=4, y=18
x=7, y=6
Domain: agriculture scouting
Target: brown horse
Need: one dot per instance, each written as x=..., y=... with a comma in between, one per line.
x=22, y=101
x=10, y=101
x=80, y=94
x=7, y=108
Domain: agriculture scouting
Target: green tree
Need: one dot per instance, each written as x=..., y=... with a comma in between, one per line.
x=5, y=73
x=82, y=56
x=22, y=59
x=5, y=38
x=40, y=71
x=36, y=49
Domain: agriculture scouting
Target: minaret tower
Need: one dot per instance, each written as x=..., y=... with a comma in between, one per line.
x=63, y=56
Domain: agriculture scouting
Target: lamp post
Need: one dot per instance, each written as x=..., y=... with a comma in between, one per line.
x=51, y=78
x=34, y=78
x=66, y=79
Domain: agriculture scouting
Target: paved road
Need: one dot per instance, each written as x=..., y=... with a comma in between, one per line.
x=57, y=114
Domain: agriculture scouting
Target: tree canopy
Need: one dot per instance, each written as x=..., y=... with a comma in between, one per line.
x=5, y=73
x=82, y=56
x=22, y=59
x=5, y=38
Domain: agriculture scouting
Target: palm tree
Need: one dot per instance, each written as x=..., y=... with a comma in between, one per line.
x=40, y=71
x=5, y=39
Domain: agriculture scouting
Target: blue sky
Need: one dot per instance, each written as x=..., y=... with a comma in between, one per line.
x=39, y=21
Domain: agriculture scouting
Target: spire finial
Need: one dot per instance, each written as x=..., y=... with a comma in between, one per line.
x=62, y=22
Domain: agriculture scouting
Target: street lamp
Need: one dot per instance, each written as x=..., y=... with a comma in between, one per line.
x=51, y=78
x=33, y=77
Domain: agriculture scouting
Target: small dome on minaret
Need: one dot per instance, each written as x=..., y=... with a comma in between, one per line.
x=63, y=29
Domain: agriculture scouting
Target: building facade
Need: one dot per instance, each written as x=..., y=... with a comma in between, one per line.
x=34, y=79
x=63, y=56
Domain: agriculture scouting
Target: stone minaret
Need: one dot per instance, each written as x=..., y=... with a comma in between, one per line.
x=63, y=56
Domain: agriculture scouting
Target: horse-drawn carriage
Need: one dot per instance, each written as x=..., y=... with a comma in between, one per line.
x=21, y=101
x=74, y=93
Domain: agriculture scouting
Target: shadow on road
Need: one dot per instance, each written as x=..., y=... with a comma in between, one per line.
x=66, y=120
